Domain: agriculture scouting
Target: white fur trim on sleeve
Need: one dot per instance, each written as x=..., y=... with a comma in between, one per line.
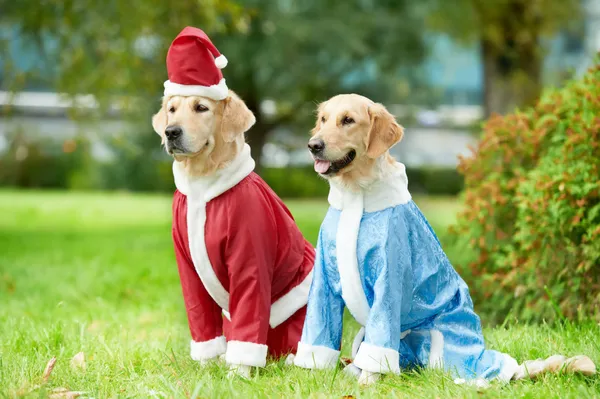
x=316, y=357
x=289, y=304
x=221, y=61
x=377, y=359
x=436, y=350
x=206, y=350
x=508, y=370
x=246, y=353
x=216, y=92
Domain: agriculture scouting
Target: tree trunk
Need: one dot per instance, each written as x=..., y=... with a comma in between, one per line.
x=508, y=85
x=512, y=69
x=257, y=138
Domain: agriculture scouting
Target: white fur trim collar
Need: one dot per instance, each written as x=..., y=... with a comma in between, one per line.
x=390, y=191
x=216, y=92
x=206, y=188
x=384, y=193
x=199, y=191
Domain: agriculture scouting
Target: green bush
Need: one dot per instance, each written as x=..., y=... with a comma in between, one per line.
x=295, y=182
x=43, y=163
x=303, y=182
x=434, y=180
x=532, y=214
x=139, y=164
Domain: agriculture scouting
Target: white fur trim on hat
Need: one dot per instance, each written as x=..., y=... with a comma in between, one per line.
x=221, y=61
x=216, y=92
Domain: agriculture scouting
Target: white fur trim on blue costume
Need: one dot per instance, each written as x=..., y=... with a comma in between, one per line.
x=216, y=92
x=316, y=357
x=246, y=353
x=385, y=193
x=390, y=191
x=347, y=234
x=436, y=352
x=201, y=351
x=508, y=370
x=377, y=359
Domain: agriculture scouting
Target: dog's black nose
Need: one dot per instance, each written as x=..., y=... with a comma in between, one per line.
x=316, y=145
x=172, y=132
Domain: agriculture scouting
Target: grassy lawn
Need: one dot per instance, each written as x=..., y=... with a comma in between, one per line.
x=95, y=273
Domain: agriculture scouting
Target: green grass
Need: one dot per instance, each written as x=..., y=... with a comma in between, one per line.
x=96, y=273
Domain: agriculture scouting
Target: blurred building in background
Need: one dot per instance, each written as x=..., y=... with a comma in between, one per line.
x=435, y=134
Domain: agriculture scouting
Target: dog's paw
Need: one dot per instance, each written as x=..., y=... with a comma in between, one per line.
x=352, y=370
x=556, y=364
x=289, y=360
x=217, y=359
x=580, y=364
x=530, y=369
x=367, y=378
x=239, y=370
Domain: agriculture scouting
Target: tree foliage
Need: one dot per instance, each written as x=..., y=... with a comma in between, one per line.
x=291, y=52
x=107, y=48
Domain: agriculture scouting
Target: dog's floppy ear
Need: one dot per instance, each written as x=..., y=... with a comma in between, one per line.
x=237, y=118
x=384, y=131
x=315, y=129
x=159, y=121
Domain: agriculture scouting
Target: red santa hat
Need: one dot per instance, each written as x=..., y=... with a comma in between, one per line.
x=194, y=66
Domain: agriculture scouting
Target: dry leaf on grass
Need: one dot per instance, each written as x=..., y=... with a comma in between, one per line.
x=64, y=393
x=78, y=361
x=48, y=369
x=345, y=360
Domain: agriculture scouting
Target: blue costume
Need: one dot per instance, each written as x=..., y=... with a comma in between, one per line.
x=378, y=256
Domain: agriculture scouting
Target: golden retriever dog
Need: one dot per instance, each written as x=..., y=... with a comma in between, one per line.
x=201, y=133
x=378, y=257
x=244, y=266
x=351, y=139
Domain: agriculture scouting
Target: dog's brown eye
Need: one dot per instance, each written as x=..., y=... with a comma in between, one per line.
x=347, y=121
x=323, y=119
x=172, y=109
x=200, y=108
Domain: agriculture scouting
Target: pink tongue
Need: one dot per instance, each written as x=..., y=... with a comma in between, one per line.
x=321, y=166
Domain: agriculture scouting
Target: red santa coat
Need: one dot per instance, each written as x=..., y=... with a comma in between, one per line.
x=239, y=253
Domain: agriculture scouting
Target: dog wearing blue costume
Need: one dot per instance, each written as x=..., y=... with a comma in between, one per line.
x=378, y=256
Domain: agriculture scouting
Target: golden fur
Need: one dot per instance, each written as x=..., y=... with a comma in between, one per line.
x=373, y=132
x=210, y=138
